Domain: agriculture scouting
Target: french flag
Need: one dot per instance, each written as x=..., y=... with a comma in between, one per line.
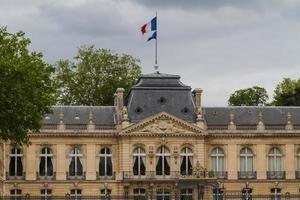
x=150, y=26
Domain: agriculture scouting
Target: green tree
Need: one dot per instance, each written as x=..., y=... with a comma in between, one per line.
x=287, y=93
x=94, y=76
x=254, y=96
x=27, y=90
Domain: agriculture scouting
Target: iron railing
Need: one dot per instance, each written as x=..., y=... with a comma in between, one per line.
x=45, y=177
x=151, y=175
x=276, y=174
x=78, y=176
x=106, y=177
x=247, y=175
x=17, y=177
x=219, y=175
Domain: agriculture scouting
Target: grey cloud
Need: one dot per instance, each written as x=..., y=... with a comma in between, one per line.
x=209, y=4
x=91, y=19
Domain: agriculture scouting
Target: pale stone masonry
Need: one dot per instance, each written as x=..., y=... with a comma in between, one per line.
x=158, y=140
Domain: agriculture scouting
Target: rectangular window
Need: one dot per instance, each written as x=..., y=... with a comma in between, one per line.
x=15, y=194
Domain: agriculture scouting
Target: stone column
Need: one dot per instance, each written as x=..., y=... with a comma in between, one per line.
x=90, y=162
x=61, y=162
x=30, y=166
x=261, y=161
x=289, y=164
x=232, y=161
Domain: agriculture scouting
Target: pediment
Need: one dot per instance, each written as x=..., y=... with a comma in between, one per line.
x=163, y=124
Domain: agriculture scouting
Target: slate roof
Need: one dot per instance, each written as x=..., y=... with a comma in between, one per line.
x=159, y=92
x=248, y=115
x=103, y=115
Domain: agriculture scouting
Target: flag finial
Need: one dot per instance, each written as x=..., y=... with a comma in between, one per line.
x=156, y=68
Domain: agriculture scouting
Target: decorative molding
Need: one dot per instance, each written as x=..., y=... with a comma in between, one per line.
x=163, y=124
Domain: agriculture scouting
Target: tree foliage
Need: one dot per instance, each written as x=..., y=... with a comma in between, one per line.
x=26, y=88
x=94, y=76
x=287, y=93
x=254, y=96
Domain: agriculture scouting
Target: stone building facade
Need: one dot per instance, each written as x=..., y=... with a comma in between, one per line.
x=157, y=142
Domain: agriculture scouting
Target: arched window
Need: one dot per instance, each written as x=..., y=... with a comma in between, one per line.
x=16, y=194
x=217, y=160
x=162, y=161
x=246, y=162
x=105, y=194
x=275, y=160
x=76, y=194
x=163, y=194
x=139, y=194
x=139, y=161
x=186, y=167
x=15, y=162
x=105, y=164
x=46, y=165
x=75, y=166
x=46, y=194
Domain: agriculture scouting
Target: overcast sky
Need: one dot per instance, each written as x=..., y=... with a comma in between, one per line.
x=218, y=45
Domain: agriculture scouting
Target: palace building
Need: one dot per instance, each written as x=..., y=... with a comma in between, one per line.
x=160, y=143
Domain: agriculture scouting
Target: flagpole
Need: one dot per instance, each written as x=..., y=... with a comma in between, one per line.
x=156, y=66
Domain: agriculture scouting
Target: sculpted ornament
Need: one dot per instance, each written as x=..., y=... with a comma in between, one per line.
x=199, y=171
x=162, y=126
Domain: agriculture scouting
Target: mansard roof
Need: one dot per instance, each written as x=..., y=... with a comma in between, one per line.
x=248, y=115
x=102, y=115
x=158, y=92
x=243, y=115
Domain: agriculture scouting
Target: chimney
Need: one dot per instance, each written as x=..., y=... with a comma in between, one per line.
x=197, y=97
x=119, y=101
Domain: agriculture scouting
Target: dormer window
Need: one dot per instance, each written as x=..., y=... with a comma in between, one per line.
x=162, y=100
x=185, y=110
x=138, y=110
x=76, y=116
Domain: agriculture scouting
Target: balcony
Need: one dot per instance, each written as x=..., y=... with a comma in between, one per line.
x=45, y=177
x=276, y=174
x=74, y=176
x=151, y=175
x=247, y=175
x=17, y=177
x=218, y=175
x=106, y=177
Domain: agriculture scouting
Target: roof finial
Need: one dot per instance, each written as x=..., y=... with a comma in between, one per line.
x=260, y=125
x=231, y=125
x=156, y=68
x=289, y=124
x=61, y=125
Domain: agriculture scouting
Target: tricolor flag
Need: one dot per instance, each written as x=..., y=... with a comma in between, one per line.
x=150, y=26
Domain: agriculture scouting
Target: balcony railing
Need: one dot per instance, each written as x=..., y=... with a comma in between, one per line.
x=276, y=174
x=45, y=177
x=106, y=177
x=17, y=177
x=78, y=176
x=151, y=175
x=218, y=175
x=247, y=175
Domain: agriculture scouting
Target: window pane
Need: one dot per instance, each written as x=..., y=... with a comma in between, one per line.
x=42, y=166
x=79, y=167
x=102, y=166
x=72, y=167
x=19, y=166
x=109, y=166
x=49, y=166
x=12, y=166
